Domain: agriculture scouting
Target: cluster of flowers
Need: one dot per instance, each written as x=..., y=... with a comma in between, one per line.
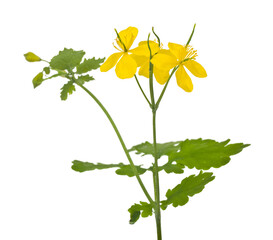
x=163, y=60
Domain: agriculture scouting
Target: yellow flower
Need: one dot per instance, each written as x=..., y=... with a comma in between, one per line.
x=180, y=56
x=142, y=56
x=126, y=65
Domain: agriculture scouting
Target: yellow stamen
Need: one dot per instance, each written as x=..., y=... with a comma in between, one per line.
x=190, y=53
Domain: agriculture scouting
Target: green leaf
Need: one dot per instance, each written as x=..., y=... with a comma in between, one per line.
x=89, y=64
x=144, y=209
x=84, y=78
x=171, y=167
x=127, y=170
x=123, y=169
x=67, y=59
x=38, y=79
x=189, y=186
x=204, y=154
x=67, y=88
x=162, y=148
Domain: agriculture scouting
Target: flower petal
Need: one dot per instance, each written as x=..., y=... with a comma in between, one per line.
x=164, y=61
x=127, y=36
x=126, y=67
x=195, y=68
x=161, y=76
x=140, y=60
x=110, y=62
x=183, y=79
x=177, y=50
x=144, y=70
x=143, y=49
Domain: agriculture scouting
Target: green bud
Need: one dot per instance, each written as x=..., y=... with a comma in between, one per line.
x=38, y=79
x=46, y=70
x=31, y=57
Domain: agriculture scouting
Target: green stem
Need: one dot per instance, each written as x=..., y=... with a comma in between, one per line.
x=155, y=166
x=122, y=143
x=142, y=91
x=164, y=89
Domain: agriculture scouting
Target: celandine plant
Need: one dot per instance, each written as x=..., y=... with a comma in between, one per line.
x=153, y=61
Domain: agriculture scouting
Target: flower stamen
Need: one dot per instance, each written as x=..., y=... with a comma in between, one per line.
x=190, y=53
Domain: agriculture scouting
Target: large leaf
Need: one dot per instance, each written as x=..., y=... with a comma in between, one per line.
x=123, y=169
x=89, y=64
x=162, y=148
x=67, y=88
x=144, y=209
x=204, y=154
x=67, y=59
x=189, y=186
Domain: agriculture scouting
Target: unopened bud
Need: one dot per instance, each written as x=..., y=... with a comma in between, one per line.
x=31, y=57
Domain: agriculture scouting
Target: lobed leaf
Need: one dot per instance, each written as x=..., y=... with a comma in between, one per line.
x=171, y=167
x=67, y=59
x=123, y=169
x=67, y=88
x=204, y=154
x=143, y=209
x=189, y=186
x=84, y=78
x=89, y=64
x=162, y=148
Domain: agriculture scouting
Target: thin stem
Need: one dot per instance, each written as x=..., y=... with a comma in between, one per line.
x=142, y=91
x=122, y=143
x=164, y=89
x=155, y=165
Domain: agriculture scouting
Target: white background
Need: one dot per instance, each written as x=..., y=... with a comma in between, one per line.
x=42, y=198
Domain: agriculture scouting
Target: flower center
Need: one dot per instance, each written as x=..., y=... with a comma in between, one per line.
x=191, y=54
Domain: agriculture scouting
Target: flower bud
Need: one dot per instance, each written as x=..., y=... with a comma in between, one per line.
x=31, y=57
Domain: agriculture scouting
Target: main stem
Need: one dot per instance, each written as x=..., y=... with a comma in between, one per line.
x=122, y=143
x=155, y=166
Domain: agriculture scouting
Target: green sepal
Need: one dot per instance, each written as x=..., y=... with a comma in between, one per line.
x=89, y=64
x=123, y=169
x=189, y=186
x=204, y=154
x=38, y=79
x=67, y=88
x=84, y=78
x=143, y=209
x=31, y=57
x=67, y=59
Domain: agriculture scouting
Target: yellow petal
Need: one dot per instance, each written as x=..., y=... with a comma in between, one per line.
x=140, y=60
x=177, y=50
x=144, y=69
x=183, y=79
x=126, y=67
x=164, y=61
x=195, y=68
x=110, y=62
x=161, y=76
x=143, y=49
x=127, y=36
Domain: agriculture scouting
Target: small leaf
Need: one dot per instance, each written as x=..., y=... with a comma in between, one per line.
x=144, y=209
x=38, y=79
x=67, y=88
x=127, y=170
x=31, y=57
x=123, y=169
x=67, y=59
x=162, y=148
x=204, y=154
x=89, y=64
x=189, y=186
x=84, y=78
x=171, y=167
